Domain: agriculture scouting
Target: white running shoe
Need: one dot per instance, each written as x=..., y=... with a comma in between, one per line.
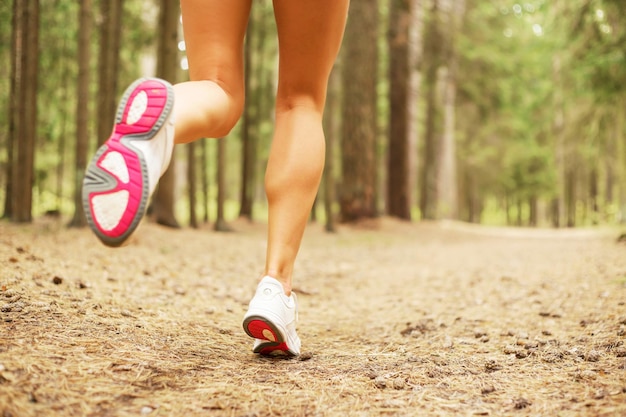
x=271, y=320
x=124, y=172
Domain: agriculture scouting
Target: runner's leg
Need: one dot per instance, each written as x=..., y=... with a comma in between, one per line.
x=211, y=103
x=309, y=34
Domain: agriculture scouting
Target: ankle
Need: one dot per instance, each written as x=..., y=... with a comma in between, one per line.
x=285, y=281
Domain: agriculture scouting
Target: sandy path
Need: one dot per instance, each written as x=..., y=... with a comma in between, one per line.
x=419, y=319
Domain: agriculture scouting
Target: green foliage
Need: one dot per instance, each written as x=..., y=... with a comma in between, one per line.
x=524, y=66
x=522, y=63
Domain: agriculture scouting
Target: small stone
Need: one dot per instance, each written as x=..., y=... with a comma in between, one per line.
x=305, y=356
x=511, y=349
x=521, y=403
x=146, y=410
x=399, y=383
x=17, y=307
x=478, y=333
x=487, y=390
x=592, y=356
x=448, y=343
x=380, y=382
x=531, y=345
x=371, y=374
x=600, y=394
x=521, y=354
x=57, y=280
x=491, y=366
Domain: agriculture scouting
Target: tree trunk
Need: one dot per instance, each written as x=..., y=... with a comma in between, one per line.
x=447, y=205
x=247, y=125
x=398, y=189
x=204, y=177
x=533, y=214
x=610, y=162
x=415, y=55
x=256, y=90
x=570, y=197
x=558, y=124
x=26, y=132
x=191, y=183
x=220, y=221
x=332, y=126
x=108, y=65
x=358, y=190
x=433, y=39
x=620, y=145
x=594, y=178
x=82, y=110
x=14, y=131
x=62, y=145
x=447, y=193
x=167, y=68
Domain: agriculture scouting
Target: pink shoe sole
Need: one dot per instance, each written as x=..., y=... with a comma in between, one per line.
x=263, y=330
x=115, y=187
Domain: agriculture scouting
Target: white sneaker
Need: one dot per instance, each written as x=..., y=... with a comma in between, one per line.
x=271, y=320
x=124, y=173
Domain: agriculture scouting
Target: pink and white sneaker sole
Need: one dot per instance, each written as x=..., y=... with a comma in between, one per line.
x=116, y=186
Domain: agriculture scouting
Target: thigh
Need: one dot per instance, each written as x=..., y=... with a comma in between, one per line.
x=214, y=32
x=309, y=37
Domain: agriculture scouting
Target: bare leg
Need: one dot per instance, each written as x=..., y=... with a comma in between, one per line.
x=211, y=103
x=310, y=33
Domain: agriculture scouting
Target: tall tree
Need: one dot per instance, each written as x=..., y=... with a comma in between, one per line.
x=358, y=141
x=332, y=128
x=398, y=185
x=447, y=205
x=433, y=41
x=260, y=56
x=82, y=110
x=415, y=55
x=204, y=177
x=220, y=222
x=14, y=131
x=108, y=64
x=167, y=69
x=25, y=90
x=191, y=184
x=247, y=126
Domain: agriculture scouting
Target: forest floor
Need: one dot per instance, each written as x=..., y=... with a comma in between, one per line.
x=396, y=319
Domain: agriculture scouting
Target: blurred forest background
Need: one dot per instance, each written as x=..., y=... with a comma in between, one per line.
x=495, y=112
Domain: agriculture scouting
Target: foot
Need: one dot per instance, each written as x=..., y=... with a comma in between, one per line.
x=271, y=320
x=125, y=170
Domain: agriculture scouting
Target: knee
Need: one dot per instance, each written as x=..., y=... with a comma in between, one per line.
x=286, y=101
x=234, y=110
x=214, y=106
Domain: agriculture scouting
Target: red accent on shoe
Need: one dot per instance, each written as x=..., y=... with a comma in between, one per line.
x=257, y=329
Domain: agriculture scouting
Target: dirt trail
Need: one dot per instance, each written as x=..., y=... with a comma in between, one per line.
x=396, y=319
